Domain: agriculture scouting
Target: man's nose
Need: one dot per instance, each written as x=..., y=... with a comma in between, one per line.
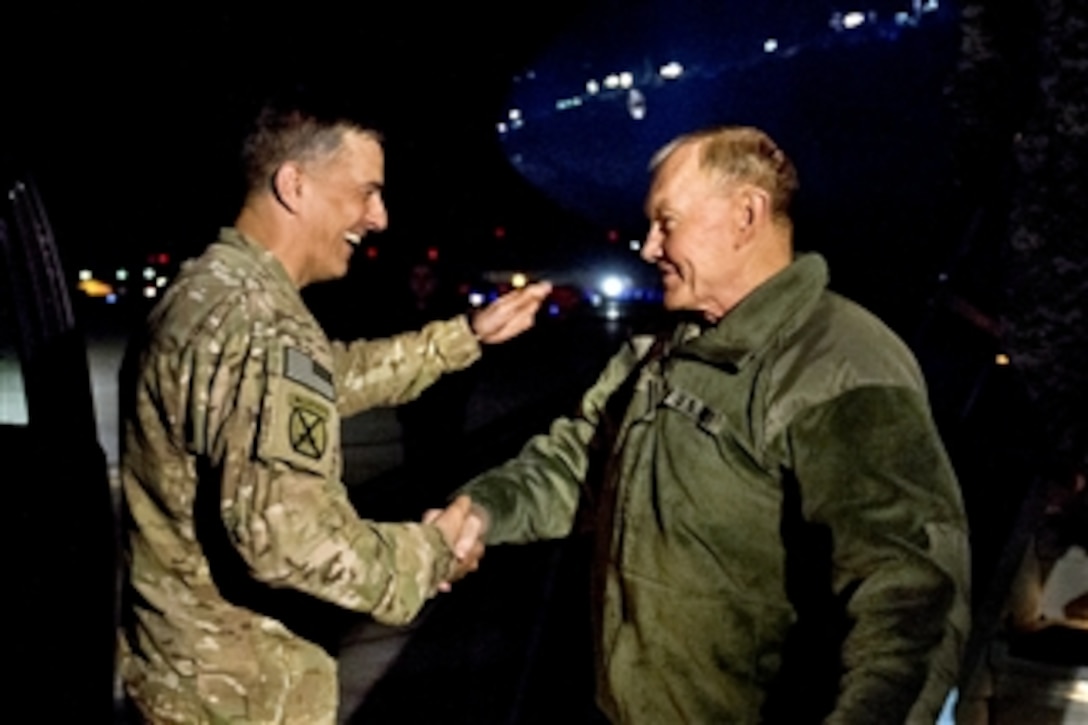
x=377, y=218
x=651, y=248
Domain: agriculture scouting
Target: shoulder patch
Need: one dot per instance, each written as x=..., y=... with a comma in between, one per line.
x=304, y=370
x=307, y=429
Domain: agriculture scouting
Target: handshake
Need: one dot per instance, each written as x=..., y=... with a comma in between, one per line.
x=463, y=526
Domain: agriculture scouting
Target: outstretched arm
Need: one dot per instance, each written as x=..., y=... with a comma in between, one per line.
x=395, y=370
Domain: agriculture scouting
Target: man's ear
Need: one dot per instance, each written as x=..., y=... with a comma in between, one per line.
x=756, y=203
x=753, y=209
x=286, y=185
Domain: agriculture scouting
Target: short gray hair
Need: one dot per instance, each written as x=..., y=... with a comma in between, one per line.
x=740, y=154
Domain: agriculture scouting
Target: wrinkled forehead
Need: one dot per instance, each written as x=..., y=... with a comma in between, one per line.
x=678, y=169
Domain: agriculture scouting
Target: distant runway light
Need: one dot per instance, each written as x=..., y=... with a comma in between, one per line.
x=514, y=114
x=612, y=81
x=930, y=6
x=149, y=273
x=150, y=292
x=501, y=126
x=592, y=87
x=612, y=286
x=671, y=71
x=635, y=245
x=161, y=282
x=770, y=45
x=518, y=280
x=626, y=79
x=853, y=19
x=122, y=275
x=476, y=299
x=1001, y=359
x=84, y=275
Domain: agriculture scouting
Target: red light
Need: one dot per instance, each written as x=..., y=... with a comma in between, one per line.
x=163, y=258
x=432, y=254
x=371, y=252
x=500, y=232
x=613, y=236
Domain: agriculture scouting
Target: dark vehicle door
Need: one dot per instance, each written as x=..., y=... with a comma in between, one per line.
x=59, y=575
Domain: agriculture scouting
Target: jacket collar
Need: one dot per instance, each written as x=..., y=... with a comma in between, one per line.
x=266, y=262
x=773, y=310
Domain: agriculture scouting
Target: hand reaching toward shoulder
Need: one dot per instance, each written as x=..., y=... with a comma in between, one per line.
x=509, y=315
x=463, y=527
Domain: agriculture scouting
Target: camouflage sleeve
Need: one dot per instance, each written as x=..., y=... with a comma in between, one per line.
x=269, y=439
x=394, y=370
x=536, y=495
x=872, y=469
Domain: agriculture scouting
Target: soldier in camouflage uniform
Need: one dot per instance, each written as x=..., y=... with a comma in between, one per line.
x=231, y=457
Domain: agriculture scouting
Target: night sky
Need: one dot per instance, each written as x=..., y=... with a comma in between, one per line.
x=129, y=120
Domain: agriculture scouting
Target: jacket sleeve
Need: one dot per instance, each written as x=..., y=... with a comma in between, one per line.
x=872, y=469
x=394, y=370
x=536, y=495
x=268, y=446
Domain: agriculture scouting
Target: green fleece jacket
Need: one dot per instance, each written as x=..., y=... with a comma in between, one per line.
x=779, y=534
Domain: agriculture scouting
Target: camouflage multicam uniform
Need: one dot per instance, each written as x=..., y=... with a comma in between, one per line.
x=231, y=469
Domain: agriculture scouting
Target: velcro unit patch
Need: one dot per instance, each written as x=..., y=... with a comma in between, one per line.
x=304, y=370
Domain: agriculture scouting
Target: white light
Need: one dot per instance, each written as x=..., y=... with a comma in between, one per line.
x=930, y=6
x=149, y=273
x=770, y=45
x=612, y=286
x=514, y=114
x=502, y=127
x=122, y=275
x=612, y=81
x=518, y=280
x=150, y=292
x=671, y=71
x=476, y=299
x=161, y=282
x=592, y=87
x=1001, y=359
x=84, y=275
x=853, y=19
x=612, y=313
x=1079, y=691
x=626, y=79
x=636, y=104
x=635, y=245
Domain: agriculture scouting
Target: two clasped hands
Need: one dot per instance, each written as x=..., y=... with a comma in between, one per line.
x=464, y=527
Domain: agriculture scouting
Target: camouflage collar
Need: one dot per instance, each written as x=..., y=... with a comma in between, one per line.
x=267, y=261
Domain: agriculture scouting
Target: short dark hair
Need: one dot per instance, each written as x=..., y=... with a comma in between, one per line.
x=741, y=153
x=291, y=132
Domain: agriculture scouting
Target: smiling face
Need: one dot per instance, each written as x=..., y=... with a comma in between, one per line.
x=341, y=204
x=694, y=237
